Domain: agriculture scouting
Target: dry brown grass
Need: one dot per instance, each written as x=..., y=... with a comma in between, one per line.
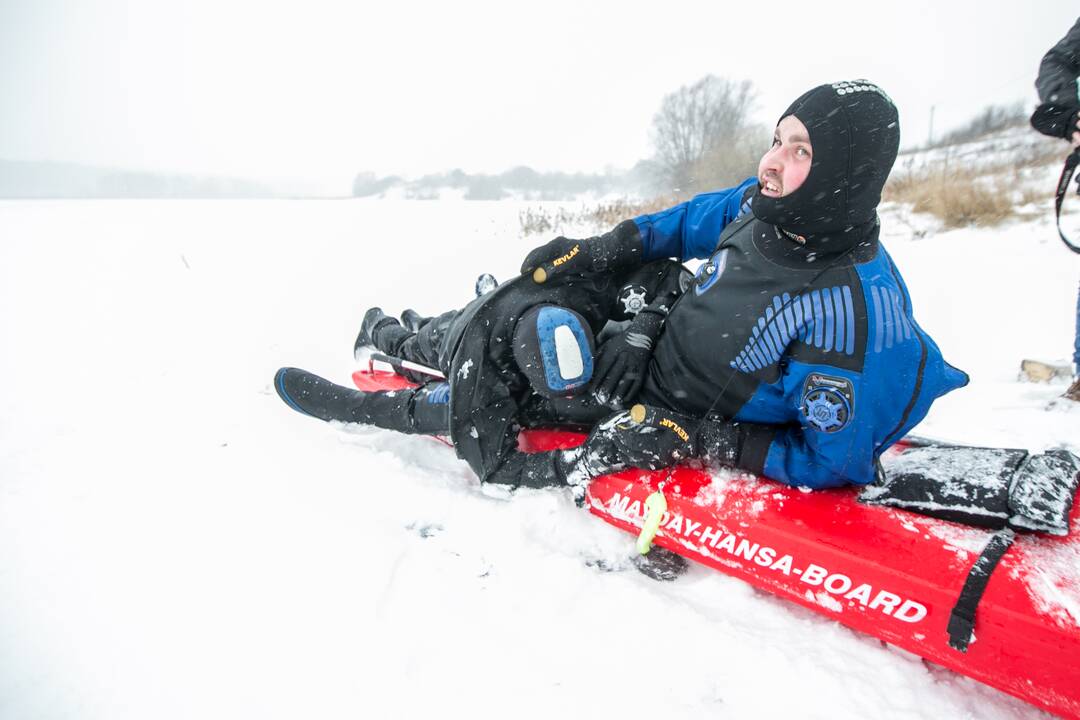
x=977, y=184
x=612, y=213
x=542, y=220
x=958, y=199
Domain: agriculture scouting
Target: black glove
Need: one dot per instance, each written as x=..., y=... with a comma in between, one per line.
x=616, y=250
x=1056, y=120
x=623, y=360
x=653, y=438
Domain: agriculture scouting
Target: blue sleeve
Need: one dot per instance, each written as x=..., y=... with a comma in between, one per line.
x=691, y=229
x=832, y=445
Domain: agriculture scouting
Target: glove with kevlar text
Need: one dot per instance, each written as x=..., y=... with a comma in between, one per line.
x=652, y=438
x=618, y=249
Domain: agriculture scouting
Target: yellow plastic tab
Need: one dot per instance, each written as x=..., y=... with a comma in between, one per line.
x=655, y=507
x=539, y=276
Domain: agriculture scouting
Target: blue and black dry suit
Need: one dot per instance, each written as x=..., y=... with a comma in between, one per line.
x=797, y=335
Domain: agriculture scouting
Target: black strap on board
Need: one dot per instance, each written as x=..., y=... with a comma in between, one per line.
x=962, y=619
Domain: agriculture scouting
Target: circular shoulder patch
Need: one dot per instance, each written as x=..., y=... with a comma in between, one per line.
x=827, y=402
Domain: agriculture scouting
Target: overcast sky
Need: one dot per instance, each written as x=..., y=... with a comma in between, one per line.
x=324, y=89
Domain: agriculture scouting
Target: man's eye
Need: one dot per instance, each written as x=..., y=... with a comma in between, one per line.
x=803, y=152
x=775, y=141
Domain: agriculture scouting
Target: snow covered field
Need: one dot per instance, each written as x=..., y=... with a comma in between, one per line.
x=176, y=543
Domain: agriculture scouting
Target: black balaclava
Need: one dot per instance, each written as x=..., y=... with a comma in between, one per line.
x=854, y=134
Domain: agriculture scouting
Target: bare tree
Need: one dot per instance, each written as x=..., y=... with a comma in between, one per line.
x=703, y=135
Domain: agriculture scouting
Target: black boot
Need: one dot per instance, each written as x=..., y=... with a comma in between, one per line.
x=405, y=411
x=485, y=283
x=413, y=320
x=374, y=320
x=319, y=398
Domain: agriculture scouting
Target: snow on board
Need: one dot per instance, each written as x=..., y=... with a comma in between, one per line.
x=889, y=573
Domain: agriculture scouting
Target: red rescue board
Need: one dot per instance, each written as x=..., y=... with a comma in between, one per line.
x=889, y=573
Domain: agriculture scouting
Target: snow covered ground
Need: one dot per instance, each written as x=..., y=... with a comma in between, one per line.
x=176, y=543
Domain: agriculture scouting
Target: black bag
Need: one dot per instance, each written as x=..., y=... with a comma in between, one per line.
x=1042, y=492
x=984, y=487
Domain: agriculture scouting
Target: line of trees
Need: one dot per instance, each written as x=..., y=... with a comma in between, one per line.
x=703, y=137
x=19, y=179
x=521, y=181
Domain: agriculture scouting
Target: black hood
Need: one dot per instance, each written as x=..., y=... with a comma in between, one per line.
x=855, y=134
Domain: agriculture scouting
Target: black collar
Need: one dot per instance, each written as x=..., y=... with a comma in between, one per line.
x=800, y=252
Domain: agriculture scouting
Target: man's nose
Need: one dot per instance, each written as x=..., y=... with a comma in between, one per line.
x=774, y=161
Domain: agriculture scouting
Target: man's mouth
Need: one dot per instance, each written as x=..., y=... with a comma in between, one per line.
x=770, y=188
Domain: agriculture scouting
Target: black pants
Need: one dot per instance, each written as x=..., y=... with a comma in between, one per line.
x=417, y=411
x=426, y=410
x=424, y=347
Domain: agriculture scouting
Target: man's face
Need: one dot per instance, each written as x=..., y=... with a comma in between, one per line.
x=787, y=163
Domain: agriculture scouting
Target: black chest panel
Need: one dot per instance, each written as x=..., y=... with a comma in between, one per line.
x=760, y=302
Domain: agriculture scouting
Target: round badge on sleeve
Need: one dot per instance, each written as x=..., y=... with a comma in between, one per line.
x=827, y=402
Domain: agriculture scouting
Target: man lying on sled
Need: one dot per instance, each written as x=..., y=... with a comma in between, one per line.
x=794, y=354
